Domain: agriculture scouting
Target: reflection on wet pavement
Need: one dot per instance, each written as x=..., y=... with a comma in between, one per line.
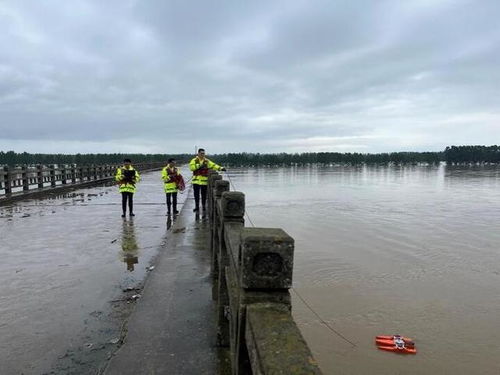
x=130, y=250
x=64, y=283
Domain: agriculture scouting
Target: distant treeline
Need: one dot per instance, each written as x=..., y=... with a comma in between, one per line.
x=472, y=154
x=451, y=155
x=249, y=159
x=12, y=158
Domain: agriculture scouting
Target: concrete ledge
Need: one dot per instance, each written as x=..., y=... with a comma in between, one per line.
x=275, y=344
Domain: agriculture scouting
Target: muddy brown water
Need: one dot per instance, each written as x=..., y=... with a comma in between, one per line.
x=379, y=250
x=390, y=250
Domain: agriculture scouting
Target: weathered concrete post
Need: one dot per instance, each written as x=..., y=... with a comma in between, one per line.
x=94, y=172
x=39, y=176
x=52, y=175
x=266, y=256
x=7, y=180
x=81, y=174
x=64, y=176
x=88, y=173
x=26, y=181
x=73, y=174
x=213, y=177
x=265, y=260
x=231, y=222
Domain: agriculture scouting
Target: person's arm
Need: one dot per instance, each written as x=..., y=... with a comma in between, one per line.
x=217, y=167
x=192, y=165
x=164, y=174
x=137, y=176
x=118, y=175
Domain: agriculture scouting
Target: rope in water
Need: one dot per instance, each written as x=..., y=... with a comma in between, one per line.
x=297, y=293
x=234, y=188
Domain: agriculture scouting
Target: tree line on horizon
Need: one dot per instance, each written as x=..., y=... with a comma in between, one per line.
x=453, y=155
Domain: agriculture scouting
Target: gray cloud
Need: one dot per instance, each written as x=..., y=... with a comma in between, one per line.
x=262, y=76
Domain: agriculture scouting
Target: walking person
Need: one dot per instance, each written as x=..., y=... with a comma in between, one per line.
x=173, y=182
x=127, y=177
x=200, y=166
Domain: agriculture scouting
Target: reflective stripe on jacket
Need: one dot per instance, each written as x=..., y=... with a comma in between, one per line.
x=200, y=170
x=168, y=175
x=127, y=186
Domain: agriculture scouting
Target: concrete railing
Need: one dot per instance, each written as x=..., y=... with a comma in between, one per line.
x=30, y=179
x=252, y=274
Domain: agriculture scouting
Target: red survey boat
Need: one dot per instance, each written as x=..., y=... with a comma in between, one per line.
x=396, y=343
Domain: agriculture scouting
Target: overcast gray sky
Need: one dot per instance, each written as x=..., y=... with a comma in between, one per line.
x=257, y=76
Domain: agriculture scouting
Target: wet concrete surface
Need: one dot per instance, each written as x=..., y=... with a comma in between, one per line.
x=172, y=329
x=70, y=269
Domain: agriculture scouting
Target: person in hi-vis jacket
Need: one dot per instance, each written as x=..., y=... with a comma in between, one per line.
x=172, y=178
x=127, y=177
x=200, y=166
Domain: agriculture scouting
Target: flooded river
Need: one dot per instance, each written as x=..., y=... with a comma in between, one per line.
x=390, y=250
x=379, y=250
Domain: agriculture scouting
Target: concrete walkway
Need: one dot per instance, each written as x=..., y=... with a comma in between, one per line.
x=172, y=330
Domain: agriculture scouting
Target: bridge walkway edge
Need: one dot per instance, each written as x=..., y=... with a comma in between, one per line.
x=172, y=330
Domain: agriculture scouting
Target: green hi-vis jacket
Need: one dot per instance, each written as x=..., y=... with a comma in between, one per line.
x=200, y=170
x=127, y=183
x=168, y=175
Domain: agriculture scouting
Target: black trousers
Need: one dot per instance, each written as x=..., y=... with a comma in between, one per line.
x=197, y=190
x=126, y=196
x=172, y=200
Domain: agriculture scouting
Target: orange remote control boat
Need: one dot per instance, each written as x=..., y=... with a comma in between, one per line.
x=396, y=343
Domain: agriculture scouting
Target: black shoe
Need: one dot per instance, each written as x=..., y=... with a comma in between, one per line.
x=176, y=212
x=123, y=215
x=132, y=214
x=196, y=209
x=168, y=213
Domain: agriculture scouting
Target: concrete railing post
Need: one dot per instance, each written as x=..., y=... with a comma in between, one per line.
x=211, y=197
x=265, y=264
x=82, y=174
x=212, y=178
x=26, y=181
x=73, y=173
x=88, y=175
x=39, y=176
x=231, y=210
x=64, y=176
x=52, y=175
x=266, y=259
x=8, y=180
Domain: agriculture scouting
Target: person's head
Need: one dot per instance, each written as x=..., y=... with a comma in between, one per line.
x=127, y=162
x=171, y=161
x=201, y=153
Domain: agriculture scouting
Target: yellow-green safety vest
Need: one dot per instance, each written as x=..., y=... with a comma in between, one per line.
x=127, y=187
x=170, y=187
x=200, y=170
